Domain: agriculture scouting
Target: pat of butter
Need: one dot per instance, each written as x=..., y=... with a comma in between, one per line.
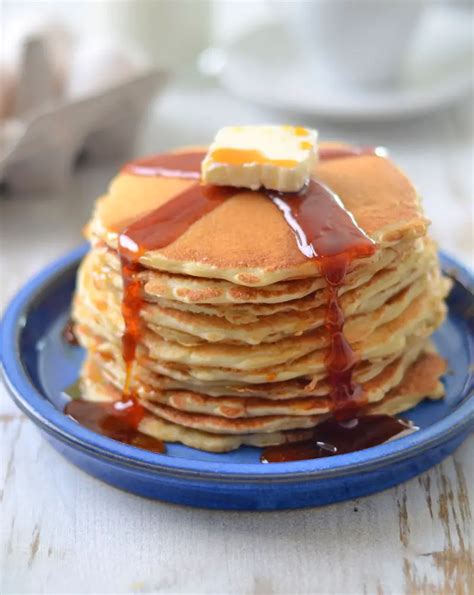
x=275, y=157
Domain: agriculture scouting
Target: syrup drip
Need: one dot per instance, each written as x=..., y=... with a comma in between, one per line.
x=325, y=232
x=340, y=360
x=335, y=438
x=152, y=232
x=120, y=420
x=132, y=303
x=156, y=230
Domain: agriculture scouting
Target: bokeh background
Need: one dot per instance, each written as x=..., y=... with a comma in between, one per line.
x=396, y=73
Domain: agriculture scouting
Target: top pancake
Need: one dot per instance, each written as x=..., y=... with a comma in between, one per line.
x=246, y=240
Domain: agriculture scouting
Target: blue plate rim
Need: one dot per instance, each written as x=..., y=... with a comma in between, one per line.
x=50, y=419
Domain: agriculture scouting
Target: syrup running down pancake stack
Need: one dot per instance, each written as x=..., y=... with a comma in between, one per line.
x=219, y=317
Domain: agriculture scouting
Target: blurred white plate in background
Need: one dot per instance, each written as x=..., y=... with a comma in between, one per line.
x=264, y=66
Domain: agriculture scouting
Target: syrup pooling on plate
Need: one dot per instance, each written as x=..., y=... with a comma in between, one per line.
x=118, y=421
x=334, y=438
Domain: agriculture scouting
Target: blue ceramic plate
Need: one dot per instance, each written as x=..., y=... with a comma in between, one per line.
x=37, y=366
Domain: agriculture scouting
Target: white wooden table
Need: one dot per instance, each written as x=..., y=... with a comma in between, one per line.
x=64, y=532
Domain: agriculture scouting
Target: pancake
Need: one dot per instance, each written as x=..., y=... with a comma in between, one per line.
x=192, y=328
x=239, y=406
x=385, y=335
x=231, y=322
x=148, y=372
x=228, y=243
x=196, y=290
x=421, y=378
x=251, y=326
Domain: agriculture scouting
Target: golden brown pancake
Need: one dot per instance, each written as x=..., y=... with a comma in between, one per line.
x=246, y=240
x=222, y=435
x=233, y=340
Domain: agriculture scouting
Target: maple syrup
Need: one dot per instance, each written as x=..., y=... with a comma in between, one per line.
x=185, y=165
x=325, y=232
x=333, y=437
x=118, y=420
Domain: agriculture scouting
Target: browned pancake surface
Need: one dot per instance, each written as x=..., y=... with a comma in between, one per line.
x=248, y=231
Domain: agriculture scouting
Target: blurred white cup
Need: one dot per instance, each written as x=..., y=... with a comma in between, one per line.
x=357, y=41
x=171, y=32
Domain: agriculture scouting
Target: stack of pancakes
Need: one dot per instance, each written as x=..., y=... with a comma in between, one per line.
x=233, y=343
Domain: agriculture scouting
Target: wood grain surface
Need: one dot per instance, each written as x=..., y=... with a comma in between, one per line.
x=64, y=532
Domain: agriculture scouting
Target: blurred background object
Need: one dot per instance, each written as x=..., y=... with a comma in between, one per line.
x=64, y=96
x=171, y=32
x=354, y=59
x=385, y=72
x=370, y=27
